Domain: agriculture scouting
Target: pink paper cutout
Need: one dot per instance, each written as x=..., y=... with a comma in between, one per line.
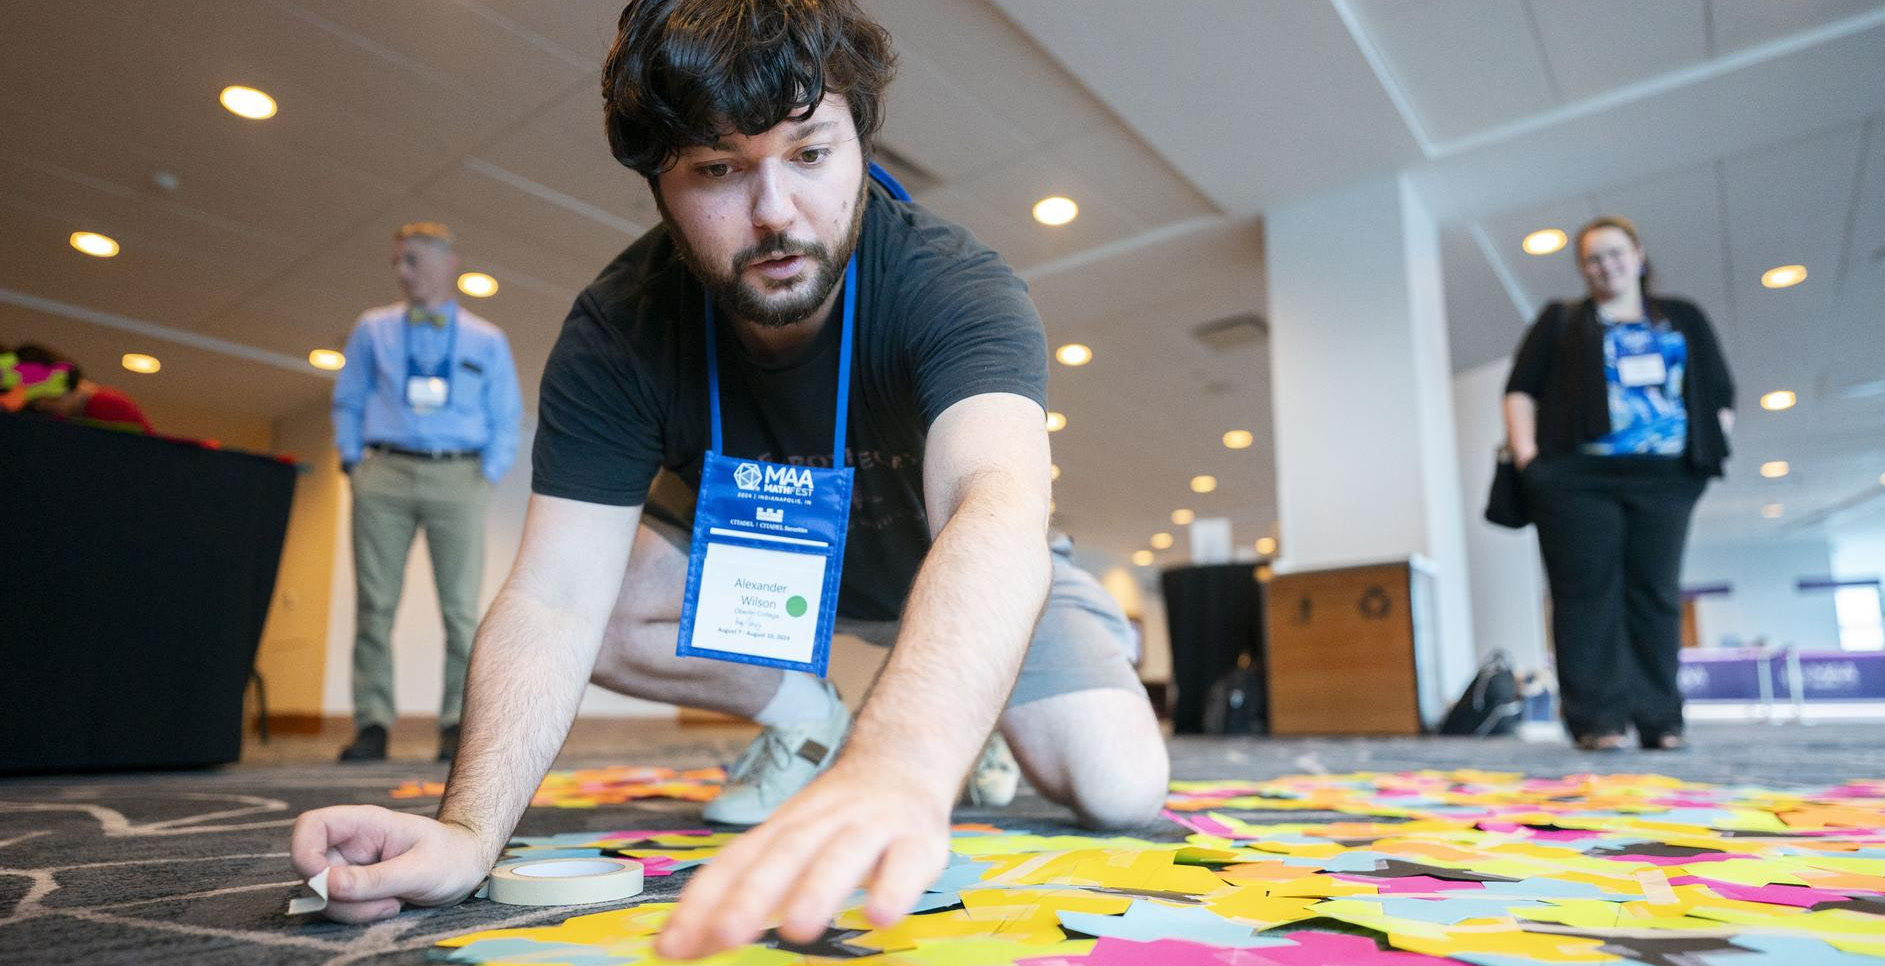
x=1779, y=895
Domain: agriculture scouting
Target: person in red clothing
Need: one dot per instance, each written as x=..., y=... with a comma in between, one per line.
x=48, y=383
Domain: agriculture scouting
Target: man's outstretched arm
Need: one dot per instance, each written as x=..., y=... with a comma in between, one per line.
x=531, y=660
x=879, y=818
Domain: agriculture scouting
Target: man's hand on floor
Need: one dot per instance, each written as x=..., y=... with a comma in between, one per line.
x=854, y=826
x=378, y=860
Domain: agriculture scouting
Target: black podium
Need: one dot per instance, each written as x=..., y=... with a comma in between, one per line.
x=135, y=576
x=1214, y=613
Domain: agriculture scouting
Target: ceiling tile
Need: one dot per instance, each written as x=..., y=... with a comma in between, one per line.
x=1593, y=46
x=455, y=47
x=1542, y=278
x=575, y=29
x=551, y=230
x=999, y=65
x=1482, y=324
x=1251, y=102
x=1010, y=191
x=934, y=122
x=1125, y=171
x=1788, y=205
x=1467, y=65
x=1736, y=24
x=149, y=279
x=1680, y=217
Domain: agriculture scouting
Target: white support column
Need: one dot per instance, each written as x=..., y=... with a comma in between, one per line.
x=1367, y=466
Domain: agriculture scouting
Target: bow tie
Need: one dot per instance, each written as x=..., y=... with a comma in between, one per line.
x=419, y=316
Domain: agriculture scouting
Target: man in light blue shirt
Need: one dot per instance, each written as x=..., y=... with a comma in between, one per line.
x=425, y=417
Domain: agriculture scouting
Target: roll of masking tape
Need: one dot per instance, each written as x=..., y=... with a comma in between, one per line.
x=565, y=882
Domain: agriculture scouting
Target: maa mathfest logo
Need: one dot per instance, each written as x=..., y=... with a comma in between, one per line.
x=774, y=478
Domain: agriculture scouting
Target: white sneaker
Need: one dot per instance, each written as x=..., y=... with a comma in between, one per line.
x=996, y=776
x=782, y=760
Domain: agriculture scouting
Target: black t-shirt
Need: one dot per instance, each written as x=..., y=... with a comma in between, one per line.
x=940, y=318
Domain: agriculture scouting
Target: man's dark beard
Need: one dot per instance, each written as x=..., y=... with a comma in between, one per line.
x=742, y=303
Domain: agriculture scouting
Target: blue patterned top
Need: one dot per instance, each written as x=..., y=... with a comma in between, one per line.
x=1646, y=418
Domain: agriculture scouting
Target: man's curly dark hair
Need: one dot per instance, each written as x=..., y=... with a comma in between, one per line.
x=685, y=73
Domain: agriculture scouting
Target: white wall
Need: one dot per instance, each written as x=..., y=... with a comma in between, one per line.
x=1764, y=603
x=418, y=631
x=1507, y=576
x=1367, y=464
x=1858, y=550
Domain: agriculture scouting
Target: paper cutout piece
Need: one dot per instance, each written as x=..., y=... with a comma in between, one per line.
x=302, y=905
x=1147, y=921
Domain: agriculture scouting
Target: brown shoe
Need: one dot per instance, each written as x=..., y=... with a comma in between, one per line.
x=1604, y=742
x=1666, y=742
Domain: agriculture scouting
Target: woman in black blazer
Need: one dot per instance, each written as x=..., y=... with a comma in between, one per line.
x=1617, y=413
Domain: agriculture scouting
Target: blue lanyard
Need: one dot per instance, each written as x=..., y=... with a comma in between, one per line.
x=451, y=342
x=844, y=366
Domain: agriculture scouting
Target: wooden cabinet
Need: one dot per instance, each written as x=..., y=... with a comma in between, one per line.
x=1352, y=651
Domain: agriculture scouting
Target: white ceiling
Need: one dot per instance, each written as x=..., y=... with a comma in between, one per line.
x=1739, y=133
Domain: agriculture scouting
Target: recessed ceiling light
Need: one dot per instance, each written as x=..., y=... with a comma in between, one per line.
x=1784, y=276
x=1778, y=399
x=139, y=362
x=1544, y=241
x=1772, y=511
x=1239, y=439
x=1881, y=479
x=1056, y=422
x=1161, y=541
x=1142, y=557
x=1203, y=484
x=1183, y=517
x=1055, y=210
x=326, y=359
x=94, y=244
x=248, y=102
x=477, y=285
x=1053, y=471
x=1074, y=354
x=1774, y=469
x=1266, y=545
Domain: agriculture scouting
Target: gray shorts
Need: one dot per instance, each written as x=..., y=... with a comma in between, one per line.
x=1081, y=642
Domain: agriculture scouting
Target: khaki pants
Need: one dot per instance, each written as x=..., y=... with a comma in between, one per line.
x=393, y=496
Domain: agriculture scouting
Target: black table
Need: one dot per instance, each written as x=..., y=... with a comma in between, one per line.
x=135, y=576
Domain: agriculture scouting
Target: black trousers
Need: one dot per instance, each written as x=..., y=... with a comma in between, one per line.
x=1612, y=529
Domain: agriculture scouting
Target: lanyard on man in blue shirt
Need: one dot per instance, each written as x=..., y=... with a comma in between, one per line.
x=430, y=387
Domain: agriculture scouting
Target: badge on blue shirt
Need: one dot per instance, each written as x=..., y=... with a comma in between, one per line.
x=429, y=387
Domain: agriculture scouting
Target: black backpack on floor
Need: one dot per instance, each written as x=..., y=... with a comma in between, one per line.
x=1235, y=705
x=1491, y=705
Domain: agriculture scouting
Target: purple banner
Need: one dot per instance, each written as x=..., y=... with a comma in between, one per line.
x=1837, y=676
x=1734, y=674
x=1721, y=674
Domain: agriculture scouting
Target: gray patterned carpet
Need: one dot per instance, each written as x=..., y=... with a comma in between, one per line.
x=192, y=867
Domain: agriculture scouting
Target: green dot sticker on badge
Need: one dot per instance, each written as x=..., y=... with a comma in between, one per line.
x=795, y=606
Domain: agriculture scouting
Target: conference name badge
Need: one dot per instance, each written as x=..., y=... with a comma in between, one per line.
x=763, y=571
x=426, y=393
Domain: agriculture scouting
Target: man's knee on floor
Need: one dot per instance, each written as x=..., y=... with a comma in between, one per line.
x=1122, y=802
